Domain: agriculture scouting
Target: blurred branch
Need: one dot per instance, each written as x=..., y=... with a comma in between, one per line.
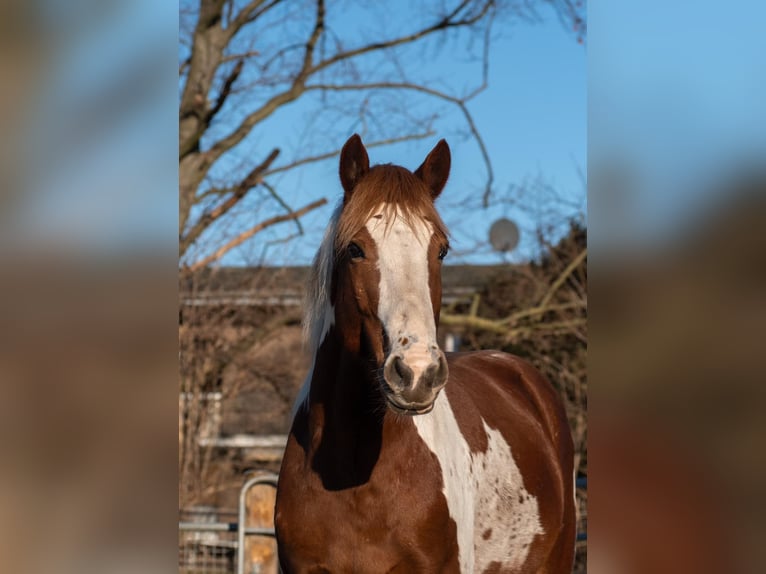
x=500, y=326
x=184, y=66
x=549, y=328
x=574, y=264
x=473, y=321
x=474, y=310
x=540, y=310
x=530, y=319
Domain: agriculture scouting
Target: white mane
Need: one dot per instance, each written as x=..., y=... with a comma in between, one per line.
x=319, y=315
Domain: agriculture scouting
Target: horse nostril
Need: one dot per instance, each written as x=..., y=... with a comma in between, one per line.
x=436, y=375
x=399, y=368
x=404, y=372
x=397, y=373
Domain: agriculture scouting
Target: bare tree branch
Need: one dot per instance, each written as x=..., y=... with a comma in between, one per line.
x=245, y=235
x=500, y=326
x=308, y=57
x=298, y=85
x=273, y=192
x=335, y=152
x=240, y=56
x=225, y=90
x=459, y=102
x=250, y=13
x=285, y=97
x=206, y=219
x=574, y=264
x=281, y=73
x=540, y=310
x=443, y=24
x=551, y=328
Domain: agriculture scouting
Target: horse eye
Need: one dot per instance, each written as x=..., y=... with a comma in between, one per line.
x=443, y=252
x=355, y=251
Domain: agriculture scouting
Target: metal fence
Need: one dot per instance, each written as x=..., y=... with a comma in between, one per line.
x=209, y=543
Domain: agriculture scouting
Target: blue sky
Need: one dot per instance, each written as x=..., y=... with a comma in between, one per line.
x=532, y=118
x=677, y=95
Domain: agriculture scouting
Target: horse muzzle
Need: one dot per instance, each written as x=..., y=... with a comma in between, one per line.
x=412, y=384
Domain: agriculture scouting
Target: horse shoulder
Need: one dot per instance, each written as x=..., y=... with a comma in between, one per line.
x=495, y=374
x=521, y=452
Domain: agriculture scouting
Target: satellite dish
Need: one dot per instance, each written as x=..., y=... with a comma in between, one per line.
x=504, y=235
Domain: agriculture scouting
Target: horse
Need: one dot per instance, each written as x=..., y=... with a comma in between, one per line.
x=401, y=458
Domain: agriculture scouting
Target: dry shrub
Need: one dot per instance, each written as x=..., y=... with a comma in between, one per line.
x=538, y=311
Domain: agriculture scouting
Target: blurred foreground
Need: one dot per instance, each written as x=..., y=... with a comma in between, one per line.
x=677, y=430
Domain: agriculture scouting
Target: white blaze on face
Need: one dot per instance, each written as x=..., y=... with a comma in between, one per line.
x=405, y=308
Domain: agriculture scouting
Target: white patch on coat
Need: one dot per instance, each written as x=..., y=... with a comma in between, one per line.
x=484, y=491
x=404, y=306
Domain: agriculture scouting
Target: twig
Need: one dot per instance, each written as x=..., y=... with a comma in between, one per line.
x=283, y=203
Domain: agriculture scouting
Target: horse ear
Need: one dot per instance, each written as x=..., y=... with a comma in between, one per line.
x=435, y=169
x=354, y=164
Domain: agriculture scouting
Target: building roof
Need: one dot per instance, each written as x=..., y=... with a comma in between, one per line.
x=285, y=286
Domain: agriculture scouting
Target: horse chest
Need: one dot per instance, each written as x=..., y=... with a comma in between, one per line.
x=397, y=521
x=497, y=518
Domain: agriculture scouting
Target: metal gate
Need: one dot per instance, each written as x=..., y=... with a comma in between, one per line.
x=215, y=547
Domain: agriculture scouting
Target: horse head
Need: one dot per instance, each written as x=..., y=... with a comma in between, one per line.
x=389, y=247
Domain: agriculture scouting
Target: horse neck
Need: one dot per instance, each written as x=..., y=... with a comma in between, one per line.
x=346, y=415
x=343, y=385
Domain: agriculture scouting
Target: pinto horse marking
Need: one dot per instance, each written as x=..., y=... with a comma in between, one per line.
x=489, y=480
x=401, y=458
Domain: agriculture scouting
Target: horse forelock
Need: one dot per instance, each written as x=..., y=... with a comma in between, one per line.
x=401, y=193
